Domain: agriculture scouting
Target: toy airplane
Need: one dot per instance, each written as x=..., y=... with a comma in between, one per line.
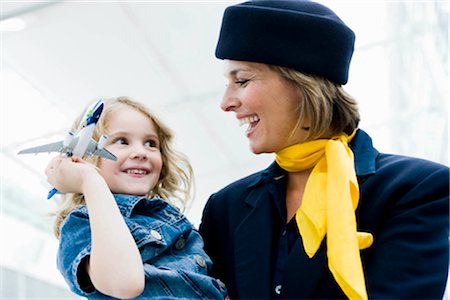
x=79, y=143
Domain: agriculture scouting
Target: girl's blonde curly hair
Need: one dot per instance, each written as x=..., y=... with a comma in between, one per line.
x=175, y=184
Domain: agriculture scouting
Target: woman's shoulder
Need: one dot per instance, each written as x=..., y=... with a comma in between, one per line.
x=408, y=165
x=405, y=175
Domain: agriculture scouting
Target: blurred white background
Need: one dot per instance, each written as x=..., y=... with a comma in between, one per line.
x=57, y=56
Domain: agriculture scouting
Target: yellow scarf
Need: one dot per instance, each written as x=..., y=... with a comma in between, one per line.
x=331, y=195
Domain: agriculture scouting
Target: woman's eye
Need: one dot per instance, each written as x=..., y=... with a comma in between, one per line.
x=151, y=144
x=241, y=82
x=121, y=141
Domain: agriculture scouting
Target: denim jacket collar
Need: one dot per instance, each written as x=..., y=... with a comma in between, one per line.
x=127, y=203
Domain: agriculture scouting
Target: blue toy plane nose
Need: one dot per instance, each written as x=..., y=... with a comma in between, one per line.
x=52, y=192
x=94, y=113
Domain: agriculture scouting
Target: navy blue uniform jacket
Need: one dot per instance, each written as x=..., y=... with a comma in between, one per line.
x=404, y=203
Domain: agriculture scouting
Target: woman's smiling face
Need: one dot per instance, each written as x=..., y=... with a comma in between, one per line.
x=265, y=102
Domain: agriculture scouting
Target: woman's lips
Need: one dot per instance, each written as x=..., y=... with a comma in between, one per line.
x=251, y=120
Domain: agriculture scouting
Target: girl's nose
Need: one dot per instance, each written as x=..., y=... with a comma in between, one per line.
x=229, y=101
x=138, y=152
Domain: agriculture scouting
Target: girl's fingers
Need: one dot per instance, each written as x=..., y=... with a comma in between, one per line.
x=77, y=159
x=51, y=165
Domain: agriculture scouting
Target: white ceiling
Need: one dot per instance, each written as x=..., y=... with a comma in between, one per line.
x=162, y=54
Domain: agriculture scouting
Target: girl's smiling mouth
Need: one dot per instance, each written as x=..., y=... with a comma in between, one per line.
x=137, y=171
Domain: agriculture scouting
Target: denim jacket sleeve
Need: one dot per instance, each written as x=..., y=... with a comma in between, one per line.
x=150, y=234
x=74, y=246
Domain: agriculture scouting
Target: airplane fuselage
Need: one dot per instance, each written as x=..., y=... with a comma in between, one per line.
x=84, y=138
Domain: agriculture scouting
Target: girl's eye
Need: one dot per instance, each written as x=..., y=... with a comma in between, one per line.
x=151, y=144
x=241, y=82
x=120, y=141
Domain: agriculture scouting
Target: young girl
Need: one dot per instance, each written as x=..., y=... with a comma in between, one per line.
x=119, y=235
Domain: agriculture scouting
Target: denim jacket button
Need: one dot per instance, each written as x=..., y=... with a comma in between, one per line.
x=180, y=244
x=221, y=284
x=156, y=234
x=200, y=261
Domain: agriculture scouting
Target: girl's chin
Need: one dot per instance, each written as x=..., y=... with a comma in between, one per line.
x=132, y=192
x=137, y=194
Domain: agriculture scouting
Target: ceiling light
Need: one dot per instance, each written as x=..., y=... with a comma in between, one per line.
x=12, y=24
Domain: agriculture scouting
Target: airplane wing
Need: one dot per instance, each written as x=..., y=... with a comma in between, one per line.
x=93, y=150
x=105, y=153
x=52, y=147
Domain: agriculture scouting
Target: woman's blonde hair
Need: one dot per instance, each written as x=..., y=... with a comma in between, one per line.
x=327, y=107
x=175, y=184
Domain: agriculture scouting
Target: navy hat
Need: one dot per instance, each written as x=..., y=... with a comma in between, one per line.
x=298, y=34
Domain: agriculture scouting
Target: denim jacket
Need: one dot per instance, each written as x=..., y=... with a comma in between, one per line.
x=175, y=263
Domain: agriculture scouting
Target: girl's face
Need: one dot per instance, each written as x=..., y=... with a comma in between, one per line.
x=265, y=102
x=133, y=138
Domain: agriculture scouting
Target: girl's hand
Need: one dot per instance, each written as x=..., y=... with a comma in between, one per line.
x=68, y=174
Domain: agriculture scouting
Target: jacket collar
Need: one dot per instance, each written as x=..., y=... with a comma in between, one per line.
x=127, y=203
x=364, y=152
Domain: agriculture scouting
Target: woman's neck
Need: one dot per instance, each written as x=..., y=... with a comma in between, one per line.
x=294, y=191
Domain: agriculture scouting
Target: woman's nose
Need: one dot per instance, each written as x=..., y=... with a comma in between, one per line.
x=229, y=101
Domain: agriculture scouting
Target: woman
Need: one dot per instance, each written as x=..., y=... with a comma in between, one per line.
x=331, y=217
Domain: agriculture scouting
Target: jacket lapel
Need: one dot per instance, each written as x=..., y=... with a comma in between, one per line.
x=253, y=244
